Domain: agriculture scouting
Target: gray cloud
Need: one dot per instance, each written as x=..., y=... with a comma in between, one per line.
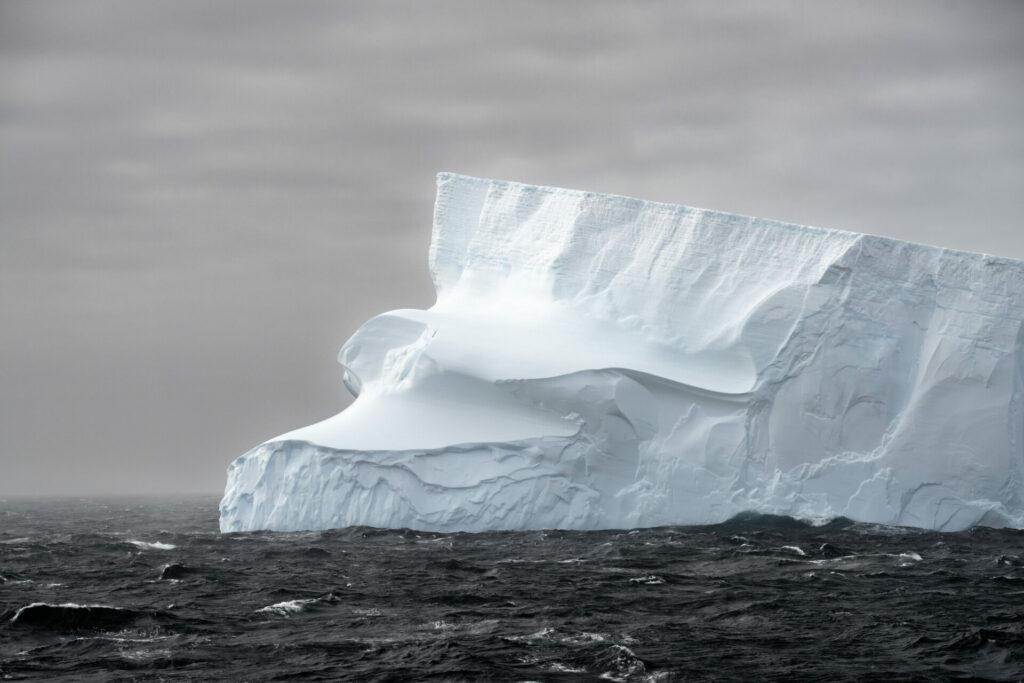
x=200, y=201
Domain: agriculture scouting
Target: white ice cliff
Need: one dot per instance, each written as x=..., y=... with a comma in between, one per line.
x=594, y=361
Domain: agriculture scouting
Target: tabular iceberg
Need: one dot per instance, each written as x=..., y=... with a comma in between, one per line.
x=595, y=361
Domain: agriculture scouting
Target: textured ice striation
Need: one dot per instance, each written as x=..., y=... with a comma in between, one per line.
x=595, y=361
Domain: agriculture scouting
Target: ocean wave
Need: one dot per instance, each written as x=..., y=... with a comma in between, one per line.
x=71, y=616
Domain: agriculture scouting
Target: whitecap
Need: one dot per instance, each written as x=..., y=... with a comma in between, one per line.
x=543, y=634
x=368, y=612
x=650, y=580
x=67, y=605
x=908, y=558
x=155, y=545
x=286, y=608
x=141, y=655
x=626, y=665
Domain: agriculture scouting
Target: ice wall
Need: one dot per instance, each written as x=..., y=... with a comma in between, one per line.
x=597, y=361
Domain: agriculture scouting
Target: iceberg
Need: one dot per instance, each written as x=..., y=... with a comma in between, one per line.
x=595, y=361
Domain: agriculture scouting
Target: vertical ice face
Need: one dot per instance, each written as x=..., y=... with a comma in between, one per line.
x=597, y=361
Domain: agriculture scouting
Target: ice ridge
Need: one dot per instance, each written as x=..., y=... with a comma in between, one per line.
x=595, y=361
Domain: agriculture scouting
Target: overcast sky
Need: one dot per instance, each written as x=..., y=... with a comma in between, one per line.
x=199, y=202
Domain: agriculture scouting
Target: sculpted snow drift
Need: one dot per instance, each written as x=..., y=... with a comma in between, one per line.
x=594, y=361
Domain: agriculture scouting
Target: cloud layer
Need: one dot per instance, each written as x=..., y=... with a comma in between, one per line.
x=200, y=201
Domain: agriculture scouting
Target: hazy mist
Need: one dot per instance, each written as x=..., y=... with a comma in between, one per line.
x=199, y=202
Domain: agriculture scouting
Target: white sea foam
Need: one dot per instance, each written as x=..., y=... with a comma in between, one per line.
x=650, y=580
x=155, y=545
x=565, y=668
x=287, y=607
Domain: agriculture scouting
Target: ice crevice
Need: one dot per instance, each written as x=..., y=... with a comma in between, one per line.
x=595, y=361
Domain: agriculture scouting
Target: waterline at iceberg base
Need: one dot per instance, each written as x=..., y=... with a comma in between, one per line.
x=595, y=361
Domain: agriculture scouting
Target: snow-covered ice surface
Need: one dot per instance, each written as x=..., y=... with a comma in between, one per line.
x=595, y=361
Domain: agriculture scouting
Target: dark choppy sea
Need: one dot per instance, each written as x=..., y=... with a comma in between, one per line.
x=149, y=590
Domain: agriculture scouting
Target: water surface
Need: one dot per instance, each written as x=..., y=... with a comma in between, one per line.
x=150, y=590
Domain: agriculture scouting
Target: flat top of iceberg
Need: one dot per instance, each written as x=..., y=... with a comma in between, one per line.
x=634, y=203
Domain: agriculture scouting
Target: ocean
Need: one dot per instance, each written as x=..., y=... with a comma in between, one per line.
x=131, y=589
